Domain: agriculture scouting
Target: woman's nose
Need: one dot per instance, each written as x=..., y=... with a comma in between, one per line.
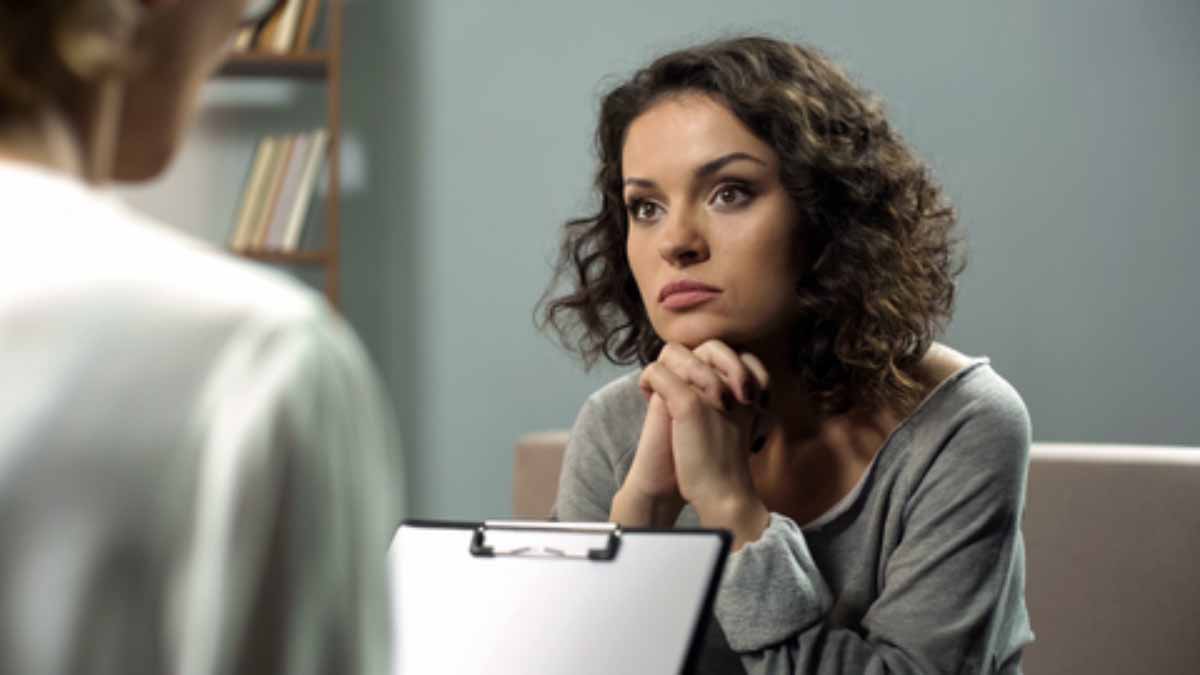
x=681, y=242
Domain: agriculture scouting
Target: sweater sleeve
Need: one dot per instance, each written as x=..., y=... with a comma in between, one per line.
x=937, y=610
x=588, y=480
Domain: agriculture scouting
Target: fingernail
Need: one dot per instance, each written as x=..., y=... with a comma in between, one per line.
x=758, y=444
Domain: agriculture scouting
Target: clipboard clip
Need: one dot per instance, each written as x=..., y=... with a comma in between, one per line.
x=480, y=549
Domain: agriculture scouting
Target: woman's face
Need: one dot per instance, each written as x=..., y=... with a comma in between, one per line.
x=711, y=228
x=180, y=43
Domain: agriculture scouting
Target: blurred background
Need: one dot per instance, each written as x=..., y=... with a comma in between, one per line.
x=1065, y=133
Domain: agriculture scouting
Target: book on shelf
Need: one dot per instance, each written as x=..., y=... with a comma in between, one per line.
x=309, y=19
x=315, y=152
x=251, y=194
x=289, y=185
x=245, y=39
x=278, y=190
x=279, y=167
x=289, y=30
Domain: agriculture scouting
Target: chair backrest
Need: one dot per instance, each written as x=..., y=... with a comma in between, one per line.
x=1112, y=540
x=1112, y=544
x=536, y=465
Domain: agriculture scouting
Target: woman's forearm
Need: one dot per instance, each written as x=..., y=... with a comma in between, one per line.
x=633, y=510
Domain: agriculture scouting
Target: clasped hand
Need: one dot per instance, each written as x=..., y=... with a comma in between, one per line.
x=695, y=443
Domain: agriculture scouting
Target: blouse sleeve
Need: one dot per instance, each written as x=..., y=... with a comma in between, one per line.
x=937, y=607
x=298, y=492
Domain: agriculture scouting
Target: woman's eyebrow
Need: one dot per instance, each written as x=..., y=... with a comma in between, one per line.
x=709, y=168
x=705, y=170
x=641, y=182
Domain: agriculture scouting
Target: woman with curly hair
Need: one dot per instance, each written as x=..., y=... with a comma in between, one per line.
x=779, y=263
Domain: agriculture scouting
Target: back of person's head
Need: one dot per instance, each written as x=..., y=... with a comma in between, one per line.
x=123, y=75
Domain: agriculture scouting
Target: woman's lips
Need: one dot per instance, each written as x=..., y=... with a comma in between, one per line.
x=685, y=294
x=686, y=299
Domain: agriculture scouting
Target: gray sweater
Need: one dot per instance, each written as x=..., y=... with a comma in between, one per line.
x=919, y=570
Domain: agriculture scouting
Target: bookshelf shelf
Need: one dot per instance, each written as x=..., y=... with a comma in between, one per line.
x=311, y=65
x=288, y=257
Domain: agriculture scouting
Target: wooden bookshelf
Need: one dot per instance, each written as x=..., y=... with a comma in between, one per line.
x=323, y=65
x=288, y=257
x=310, y=65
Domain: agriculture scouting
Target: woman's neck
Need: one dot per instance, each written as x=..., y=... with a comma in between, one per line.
x=858, y=433
x=79, y=140
x=797, y=423
x=45, y=139
x=789, y=400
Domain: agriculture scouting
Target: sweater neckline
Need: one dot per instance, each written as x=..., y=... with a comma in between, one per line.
x=843, y=504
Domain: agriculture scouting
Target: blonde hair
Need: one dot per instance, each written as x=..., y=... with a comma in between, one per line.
x=48, y=47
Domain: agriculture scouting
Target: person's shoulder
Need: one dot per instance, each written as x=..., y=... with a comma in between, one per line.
x=966, y=387
x=215, y=282
x=976, y=420
x=612, y=416
x=78, y=246
x=164, y=268
x=620, y=397
x=82, y=263
x=986, y=397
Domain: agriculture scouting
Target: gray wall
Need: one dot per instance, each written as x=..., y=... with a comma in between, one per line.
x=1065, y=132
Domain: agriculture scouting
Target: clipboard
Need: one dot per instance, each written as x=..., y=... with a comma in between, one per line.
x=550, y=598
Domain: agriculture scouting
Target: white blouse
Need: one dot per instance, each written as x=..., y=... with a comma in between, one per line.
x=197, y=469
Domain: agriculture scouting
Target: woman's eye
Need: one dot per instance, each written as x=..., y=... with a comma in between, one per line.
x=731, y=195
x=641, y=209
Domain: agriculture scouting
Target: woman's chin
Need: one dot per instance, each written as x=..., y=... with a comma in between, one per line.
x=692, y=336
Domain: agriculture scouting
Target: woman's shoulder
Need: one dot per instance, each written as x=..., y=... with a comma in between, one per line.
x=147, y=267
x=620, y=396
x=968, y=387
x=613, y=414
x=970, y=442
x=974, y=421
x=986, y=397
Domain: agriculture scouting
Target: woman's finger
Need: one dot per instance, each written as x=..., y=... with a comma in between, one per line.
x=700, y=375
x=745, y=377
x=682, y=399
x=756, y=368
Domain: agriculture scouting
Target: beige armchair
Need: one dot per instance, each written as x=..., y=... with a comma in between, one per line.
x=536, y=465
x=1112, y=541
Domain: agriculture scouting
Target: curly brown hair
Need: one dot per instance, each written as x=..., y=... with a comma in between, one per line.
x=883, y=281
